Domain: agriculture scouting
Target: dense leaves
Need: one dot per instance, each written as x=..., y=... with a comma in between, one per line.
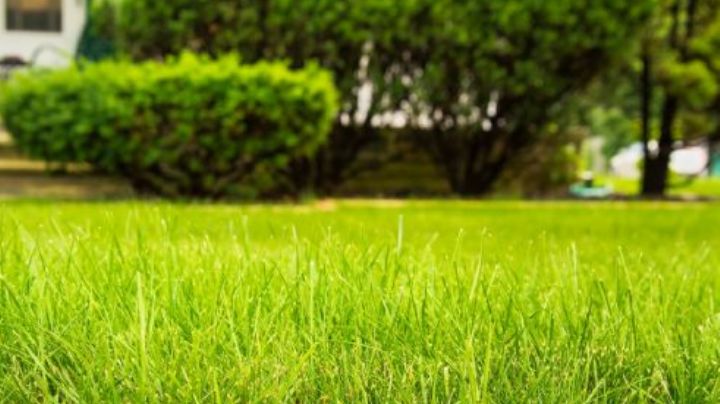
x=478, y=80
x=189, y=127
x=498, y=74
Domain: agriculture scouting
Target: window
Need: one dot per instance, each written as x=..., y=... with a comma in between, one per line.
x=34, y=15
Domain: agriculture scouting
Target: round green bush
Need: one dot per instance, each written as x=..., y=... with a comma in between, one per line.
x=187, y=127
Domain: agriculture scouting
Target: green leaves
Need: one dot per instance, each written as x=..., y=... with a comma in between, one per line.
x=441, y=63
x=162, y=125
x=692, y=82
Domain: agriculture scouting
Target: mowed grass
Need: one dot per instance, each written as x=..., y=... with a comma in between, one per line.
x=359, y=302
x=700, y=187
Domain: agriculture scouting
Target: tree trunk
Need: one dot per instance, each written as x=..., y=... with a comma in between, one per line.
x=655, y=178
x=330, y=166
x=480, y=183
x=645, y=101
x=657, y=166
x=485, y=161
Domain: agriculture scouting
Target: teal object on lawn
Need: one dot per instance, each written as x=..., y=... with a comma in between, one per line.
x=587, y=188
x=715, y=165
x=584, y=192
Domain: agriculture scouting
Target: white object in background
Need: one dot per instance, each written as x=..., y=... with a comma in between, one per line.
x=690, y=161
x=626, y=164
x=32, y=29
x=687, y=161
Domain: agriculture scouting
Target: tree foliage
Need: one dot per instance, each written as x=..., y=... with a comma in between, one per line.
x=497, y=73
x=477, y=80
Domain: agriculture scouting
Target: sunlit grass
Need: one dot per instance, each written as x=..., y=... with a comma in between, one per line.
x=700, y=187
x=359, y=302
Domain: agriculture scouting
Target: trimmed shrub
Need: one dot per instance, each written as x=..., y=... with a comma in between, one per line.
x=188, y=127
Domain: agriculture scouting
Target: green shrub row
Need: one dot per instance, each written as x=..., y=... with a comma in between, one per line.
x=187, y=127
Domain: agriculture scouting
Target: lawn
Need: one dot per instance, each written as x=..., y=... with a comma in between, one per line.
x=700, y=187
x=360, y=302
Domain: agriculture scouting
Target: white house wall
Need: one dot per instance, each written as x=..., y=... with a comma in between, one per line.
x=55, y=48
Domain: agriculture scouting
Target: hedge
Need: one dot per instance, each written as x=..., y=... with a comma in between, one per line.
x=188, y=127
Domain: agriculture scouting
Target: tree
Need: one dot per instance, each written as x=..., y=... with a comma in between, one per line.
x=496, y=74
x=676, y=70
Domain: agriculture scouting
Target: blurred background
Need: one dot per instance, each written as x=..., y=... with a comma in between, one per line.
x=584, y=99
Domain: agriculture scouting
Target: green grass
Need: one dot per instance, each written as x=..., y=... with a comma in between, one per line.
x=359, y=302
x=701, y=187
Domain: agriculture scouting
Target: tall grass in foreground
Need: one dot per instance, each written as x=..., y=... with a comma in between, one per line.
x=425, y=302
